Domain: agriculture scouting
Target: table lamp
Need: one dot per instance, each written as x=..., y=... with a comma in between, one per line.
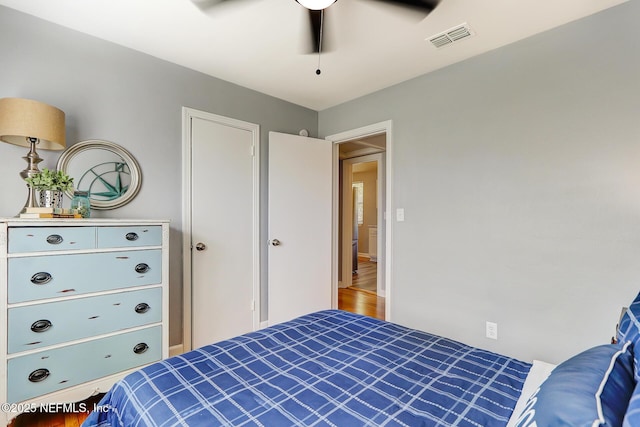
x=30, y=123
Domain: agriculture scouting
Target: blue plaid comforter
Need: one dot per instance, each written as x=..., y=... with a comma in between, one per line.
x=330, y=368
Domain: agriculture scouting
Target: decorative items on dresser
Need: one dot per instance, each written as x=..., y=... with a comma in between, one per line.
x=109, y=174
x=51, y=186
x=29, y=123
x=82, y=303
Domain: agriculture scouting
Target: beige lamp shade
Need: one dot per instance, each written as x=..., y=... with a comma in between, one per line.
x=25, y=118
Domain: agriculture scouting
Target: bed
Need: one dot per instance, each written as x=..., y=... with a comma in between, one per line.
x=332, y=368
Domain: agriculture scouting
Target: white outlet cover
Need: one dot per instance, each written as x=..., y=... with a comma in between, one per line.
x=492, y=330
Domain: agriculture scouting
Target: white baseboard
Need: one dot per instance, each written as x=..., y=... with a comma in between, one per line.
x=264, y=324
x=382, y=293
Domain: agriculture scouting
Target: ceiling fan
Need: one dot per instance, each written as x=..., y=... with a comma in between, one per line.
x=316, y=14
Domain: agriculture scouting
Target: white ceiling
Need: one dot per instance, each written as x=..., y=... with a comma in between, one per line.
x=260, y=44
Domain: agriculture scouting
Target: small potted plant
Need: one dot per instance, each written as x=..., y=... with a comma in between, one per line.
x=51, y=185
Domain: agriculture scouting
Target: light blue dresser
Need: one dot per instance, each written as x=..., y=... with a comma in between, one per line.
x=82, y=303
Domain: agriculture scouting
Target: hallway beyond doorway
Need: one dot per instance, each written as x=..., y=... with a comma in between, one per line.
x=366, y=276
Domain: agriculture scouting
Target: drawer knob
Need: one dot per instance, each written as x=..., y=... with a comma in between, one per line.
x=54, y=239
x=143, y=307
x=142, y=268
x=140, y=348
x=41, y=278
x=131, y=237
x=41, y=325
x=39, y=375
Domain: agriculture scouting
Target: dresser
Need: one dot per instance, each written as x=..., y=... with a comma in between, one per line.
x=82, y=303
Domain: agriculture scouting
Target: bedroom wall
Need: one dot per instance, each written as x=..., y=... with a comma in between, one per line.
x=135, y=100
x=519, y=172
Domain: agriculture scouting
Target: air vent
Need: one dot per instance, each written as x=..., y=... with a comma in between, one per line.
x=452, y=35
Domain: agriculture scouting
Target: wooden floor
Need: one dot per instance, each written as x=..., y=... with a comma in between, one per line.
x=367, y=275
x=361, y=296
x=361, y=302
x=59, y=419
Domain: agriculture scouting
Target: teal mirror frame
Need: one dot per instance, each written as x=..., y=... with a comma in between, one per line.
x=113, y=153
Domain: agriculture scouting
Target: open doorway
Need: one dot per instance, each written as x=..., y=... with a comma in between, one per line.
x=362, y=227
x=364, y=254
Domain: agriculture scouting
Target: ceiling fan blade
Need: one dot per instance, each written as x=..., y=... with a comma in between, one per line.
x=209, y=5
x=422, y=5
x=206, y=4
x=315, y=27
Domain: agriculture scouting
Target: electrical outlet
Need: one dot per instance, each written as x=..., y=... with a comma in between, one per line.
x=492, y=330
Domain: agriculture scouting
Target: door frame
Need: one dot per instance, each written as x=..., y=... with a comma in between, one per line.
x=347, y=212
x=187, y=245
x=370, y=130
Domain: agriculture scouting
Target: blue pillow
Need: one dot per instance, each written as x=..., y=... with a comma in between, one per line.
x=590, y=389
x=632, y=418
x=629, y=328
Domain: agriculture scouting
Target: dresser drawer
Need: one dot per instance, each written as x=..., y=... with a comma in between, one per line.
x=42, y=325
x=134, y=236
x=49, y=276
x=48, y=371
x=36, y=239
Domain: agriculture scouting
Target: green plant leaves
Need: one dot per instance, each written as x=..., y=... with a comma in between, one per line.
x=50, y=180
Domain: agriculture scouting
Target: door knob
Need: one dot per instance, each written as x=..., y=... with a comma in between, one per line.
x=200, y=246
x=275, y=242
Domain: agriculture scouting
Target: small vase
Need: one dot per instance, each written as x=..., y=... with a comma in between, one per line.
x=51, y=198
x=81, y=202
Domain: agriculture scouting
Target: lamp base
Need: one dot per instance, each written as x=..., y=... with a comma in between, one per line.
x=31, y=200
x=32, y=159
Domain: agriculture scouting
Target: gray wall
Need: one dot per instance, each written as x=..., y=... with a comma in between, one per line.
x=519, y=171
x=120, y=95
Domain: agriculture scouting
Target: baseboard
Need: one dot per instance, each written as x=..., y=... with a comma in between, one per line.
x=363, y=255
x=264, y=324
x=174, y=350
x=382, y=293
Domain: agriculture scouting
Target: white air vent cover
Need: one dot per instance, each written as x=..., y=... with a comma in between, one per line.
x=455, y=34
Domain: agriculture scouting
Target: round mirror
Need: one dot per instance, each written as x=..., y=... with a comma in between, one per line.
x=106, y=171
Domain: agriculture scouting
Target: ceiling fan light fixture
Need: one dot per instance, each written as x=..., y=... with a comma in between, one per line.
x=316, y=4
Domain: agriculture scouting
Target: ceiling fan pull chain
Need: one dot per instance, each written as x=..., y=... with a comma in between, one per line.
x=320, y=41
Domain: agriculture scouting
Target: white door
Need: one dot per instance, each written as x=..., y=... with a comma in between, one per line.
x=224, y=228
x=300, y=231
